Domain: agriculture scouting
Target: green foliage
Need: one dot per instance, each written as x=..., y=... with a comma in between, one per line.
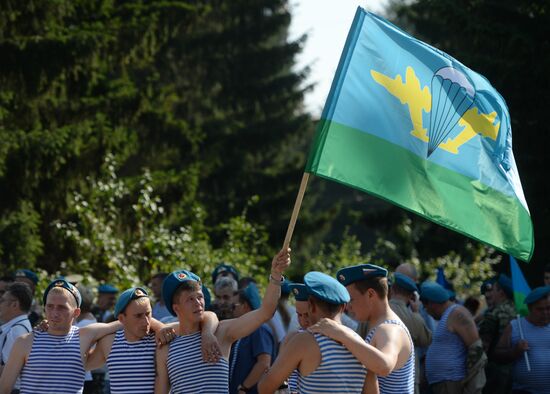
x=118, y=234
x=201, y=93
x=20, y=231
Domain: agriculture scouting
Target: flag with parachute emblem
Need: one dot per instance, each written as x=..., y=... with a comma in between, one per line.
x=410, y=124
x=520, y=286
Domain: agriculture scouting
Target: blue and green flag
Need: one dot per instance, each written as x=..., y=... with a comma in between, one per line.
x=520, y=286
x=410, y=124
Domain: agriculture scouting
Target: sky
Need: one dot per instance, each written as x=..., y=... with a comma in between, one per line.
x=326, y=23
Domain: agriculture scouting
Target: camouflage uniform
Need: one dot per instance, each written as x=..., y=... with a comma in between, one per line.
x=490, y=330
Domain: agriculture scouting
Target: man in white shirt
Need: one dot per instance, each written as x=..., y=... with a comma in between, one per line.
x=15, y=304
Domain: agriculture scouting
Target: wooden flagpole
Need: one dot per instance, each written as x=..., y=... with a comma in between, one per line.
x=296, y=210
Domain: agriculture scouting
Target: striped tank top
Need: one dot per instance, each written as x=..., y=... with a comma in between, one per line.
x=293, y=381
x=294, y=376
x=446, y=356
x=338, y=372
x=54, y=364
x=399, y=380
x=188, y=373
x=538, y=337
x=132, y=365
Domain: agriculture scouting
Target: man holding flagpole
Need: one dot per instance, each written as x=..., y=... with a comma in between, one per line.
x=531, y=335
x=491, y=328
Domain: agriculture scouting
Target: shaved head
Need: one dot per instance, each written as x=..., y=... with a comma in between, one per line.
x=407, y=269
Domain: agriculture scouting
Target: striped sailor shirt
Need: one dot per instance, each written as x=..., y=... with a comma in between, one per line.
x=338, y=372
x=187, y=371
x=132, y=365
x=400, y=380
x=54, y=364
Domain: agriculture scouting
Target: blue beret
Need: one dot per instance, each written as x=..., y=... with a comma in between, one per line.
x=224, y=268
x=355, y=273
x=207, y=297
x=107, y=289
x=285, y=287
x=404, y=282
x=171, y=284
x=487, y=285
x=434, y=292
x=252, y=296
x=25, y=273
x=506, y=284
x=65, y=285
x=536, y=295
x=325, y=288
x=128, y=295
x=300, y=291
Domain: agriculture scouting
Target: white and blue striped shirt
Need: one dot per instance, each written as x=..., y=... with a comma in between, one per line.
x=399, y=380
x=538, y=379
x=446, y=356
x=132, y=365
x=338, y=372
x=294, y=377
x=187, y=371
x=54, y=364
x=293, y=381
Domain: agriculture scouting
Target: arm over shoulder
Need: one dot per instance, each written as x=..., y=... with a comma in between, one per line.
x=18, y=357
x=287, y=361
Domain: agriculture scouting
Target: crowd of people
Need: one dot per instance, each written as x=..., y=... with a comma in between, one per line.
x=361, y=330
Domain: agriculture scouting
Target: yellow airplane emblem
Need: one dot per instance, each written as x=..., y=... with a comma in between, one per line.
x=410, y=93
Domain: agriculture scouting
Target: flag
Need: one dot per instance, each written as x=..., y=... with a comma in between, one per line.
x=410, y=124
x=442, y=280
x=520, y=286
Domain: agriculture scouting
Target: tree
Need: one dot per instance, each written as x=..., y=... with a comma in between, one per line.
x=76, y=78
x=119, y=235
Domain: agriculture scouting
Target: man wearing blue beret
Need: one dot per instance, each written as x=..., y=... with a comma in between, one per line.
x=301, y=297
x=106, y=298
x=530, y=335
x=252, y=355
x=387, y=350
x=321, y=361
x=403, y=303
x=456, y=354
x=491, y=328
x=39, y=356
x=130, y=352
x=223, y=270
x=180, y=368
x=31, y=279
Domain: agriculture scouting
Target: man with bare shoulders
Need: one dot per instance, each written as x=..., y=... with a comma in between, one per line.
x=301, y=298
x=388, y=349
x=180, y=367
x=456, y=350
x=130, y=352
x=323, y=365
x=529, y=334
x=39, y=356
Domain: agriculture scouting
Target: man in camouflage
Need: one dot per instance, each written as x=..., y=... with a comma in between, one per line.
x=499, y=294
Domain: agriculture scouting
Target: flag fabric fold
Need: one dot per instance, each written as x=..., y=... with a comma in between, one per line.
x=408, y=123
x=520, y=286
x=442, y=279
